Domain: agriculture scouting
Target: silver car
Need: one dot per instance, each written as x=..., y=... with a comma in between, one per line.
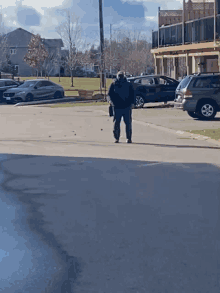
x=35, y=89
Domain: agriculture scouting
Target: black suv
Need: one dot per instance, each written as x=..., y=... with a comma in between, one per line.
x=6, y=84
x=199, y=95
x=153, y=88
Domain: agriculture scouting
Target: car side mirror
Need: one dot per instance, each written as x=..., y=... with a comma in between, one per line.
x=35, y=87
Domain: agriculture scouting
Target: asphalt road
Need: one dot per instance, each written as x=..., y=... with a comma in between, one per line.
x=72, y=224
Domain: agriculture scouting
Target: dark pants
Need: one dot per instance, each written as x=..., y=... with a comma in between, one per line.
x=127, y=116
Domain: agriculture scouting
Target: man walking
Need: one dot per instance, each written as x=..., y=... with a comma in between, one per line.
x=122, y=97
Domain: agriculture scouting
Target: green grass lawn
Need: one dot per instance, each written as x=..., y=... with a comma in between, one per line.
x=212, y=133
x=82, y=83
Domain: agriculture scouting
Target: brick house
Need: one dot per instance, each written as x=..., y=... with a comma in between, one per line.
x=18, y=41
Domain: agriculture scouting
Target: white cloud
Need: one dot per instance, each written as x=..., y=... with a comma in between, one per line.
x=151, y=18
x=38, y=5
x=87, y=10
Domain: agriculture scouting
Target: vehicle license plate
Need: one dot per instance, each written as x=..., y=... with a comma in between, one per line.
x=8, y=98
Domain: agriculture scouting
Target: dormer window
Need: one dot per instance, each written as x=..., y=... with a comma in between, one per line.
x=13, y=51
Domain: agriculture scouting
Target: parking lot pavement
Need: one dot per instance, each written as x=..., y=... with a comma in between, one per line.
x=87, y=132
x=173, y=118
x=105, y=217
x=104, y=225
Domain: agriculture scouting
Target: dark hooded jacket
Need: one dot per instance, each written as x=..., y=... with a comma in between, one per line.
x=121, y=94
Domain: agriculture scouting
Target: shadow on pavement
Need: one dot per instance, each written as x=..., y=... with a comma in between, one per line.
x=177, y=146
x=212, y=120
x=35, y=233
x=111, y=225
x=158, y=106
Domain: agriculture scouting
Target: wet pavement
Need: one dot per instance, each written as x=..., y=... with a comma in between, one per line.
x=104, y=225
x=31, y=259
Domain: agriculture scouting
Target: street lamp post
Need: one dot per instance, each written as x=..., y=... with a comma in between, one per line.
x=102, y=81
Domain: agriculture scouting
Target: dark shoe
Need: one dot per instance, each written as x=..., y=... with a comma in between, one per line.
x=117, y=141
x=129, y=141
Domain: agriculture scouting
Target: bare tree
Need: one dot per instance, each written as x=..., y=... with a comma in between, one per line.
x=4, y=47
x=4, y=51
x=70, y=31
x=36, y=54
x=51, y=62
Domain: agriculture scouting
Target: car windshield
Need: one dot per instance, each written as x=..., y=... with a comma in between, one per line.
x=28, y=84
x=184, y=83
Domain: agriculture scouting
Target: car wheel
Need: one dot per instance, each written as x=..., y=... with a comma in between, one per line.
x=207, y=110
x=139, y=102
x=58, y=95
x=193, y=114
x=29, y=98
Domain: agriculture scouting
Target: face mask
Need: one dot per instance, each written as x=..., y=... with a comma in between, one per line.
x=120, y=76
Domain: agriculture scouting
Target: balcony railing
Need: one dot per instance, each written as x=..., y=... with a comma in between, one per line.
x=196, y=31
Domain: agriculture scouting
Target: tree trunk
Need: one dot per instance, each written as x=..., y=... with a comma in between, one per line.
x=59, y=75
x=71, y=78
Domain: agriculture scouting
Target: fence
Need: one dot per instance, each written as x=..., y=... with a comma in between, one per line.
x=196, y=31
x=87, y=93
x=6, y=75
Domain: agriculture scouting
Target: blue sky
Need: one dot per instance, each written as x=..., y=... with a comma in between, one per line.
x=42, y=16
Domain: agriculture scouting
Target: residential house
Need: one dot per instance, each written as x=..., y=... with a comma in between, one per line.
x=188, y=41
x=18, y=41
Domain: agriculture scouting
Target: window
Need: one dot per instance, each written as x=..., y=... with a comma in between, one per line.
x=137, y=81
x=13, y=51
x=10, y=82
x=46, y=83
x=39, y=84
x=2, y=83
x=203, y=82
x=215, y=81
x=16, y=67
x=147, y=81
x=170, y=81
x=28, y=83
x=161, y=80
x=184, y=83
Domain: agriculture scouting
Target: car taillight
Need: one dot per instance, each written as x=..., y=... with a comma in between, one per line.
x=187, y=94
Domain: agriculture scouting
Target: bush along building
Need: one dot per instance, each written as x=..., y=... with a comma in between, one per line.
x=187, y=40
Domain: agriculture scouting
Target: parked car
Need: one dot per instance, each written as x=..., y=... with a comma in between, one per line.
x=34, y=89
x=6, y=84
x=153, y=88
x=199, y=95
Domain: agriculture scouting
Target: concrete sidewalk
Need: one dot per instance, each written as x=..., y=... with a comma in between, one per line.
x=87, y=132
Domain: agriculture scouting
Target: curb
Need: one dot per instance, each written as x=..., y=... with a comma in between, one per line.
x=177, y=132
x=80, y=100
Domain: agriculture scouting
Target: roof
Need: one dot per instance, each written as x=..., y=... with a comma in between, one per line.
x=21, y=38
x=53, y=43
x=64, y=53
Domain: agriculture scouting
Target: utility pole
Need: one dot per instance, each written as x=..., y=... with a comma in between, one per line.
x=110, y=49
x=215, y=22
x=102, y=81
x=183, y=22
